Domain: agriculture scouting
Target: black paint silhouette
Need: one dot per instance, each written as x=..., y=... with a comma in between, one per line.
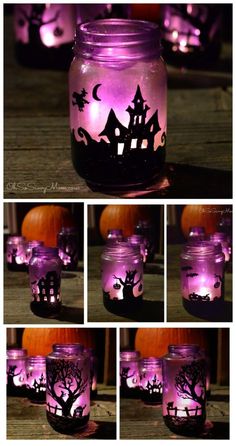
x=129, y=284
x=11, y=374
x=186, y=268
x=35, y=22
x=198, y=298
x=124, y=376
x=37, y=391
x=68, y=377
x=125, y=390
x=154, y=386
x=48, y=287
x=95, y=92
x=78, y=412
x=192, y=275
x=79, y=99
x=12, y=388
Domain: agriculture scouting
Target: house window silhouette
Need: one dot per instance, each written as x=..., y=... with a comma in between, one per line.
x=120, y=148
x=134, y=143
x=117, y=131
x=140, y=119
x=51, y=291
x=152, y=128
x=144, y=144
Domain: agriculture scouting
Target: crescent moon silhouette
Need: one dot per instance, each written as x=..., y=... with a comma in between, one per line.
x=95, y=92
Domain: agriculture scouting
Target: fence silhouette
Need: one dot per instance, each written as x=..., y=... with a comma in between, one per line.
x=55, y=409
x=173, y=411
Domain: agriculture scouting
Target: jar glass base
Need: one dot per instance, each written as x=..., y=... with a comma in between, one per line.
x=45, y=309
x=20, y=391
x=205, y=310
x=188, y=426
x=67, y=425
x=122, y=307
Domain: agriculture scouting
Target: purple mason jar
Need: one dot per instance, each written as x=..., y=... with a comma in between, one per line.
x=129, y=374
x=151, y=383
x=68, y=388
x=115, y=235
x=36, y=379
x=118, y=95
x=44, y=34
x=15, y=253
x=29, y=248
x=67, y=243
x=45, y=281
x=93, y=371
x=146, y=229
x=16, y=372
x=138, y=240
x=222, y=238
x=184, y=389
x=202, y=277
x=197, y=233
x=122, y=277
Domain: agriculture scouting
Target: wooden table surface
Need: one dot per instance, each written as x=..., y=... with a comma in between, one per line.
x=153, y=304
x=138, y=421
x=17, y=298
x=36, y=130
x=175, y=310
x=27, y=421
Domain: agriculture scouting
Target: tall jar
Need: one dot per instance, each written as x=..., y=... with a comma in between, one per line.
x=122, y=277
x=15, y=253
x=184, y=389
x=118, y=94
x=146, y=229
x=44, y=34
x=129, y=374
x=151, y=382
x=45, y=280
x=36, y=379
x=68, y=389
x=16, y=371
x=29, y=248
x=202, y=277
x=67, y=243
x=93, y=371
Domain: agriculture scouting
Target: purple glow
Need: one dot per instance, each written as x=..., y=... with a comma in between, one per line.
x=151, y=380
x=16, y=371
x=93, y=370
x=115, y=234
x=15, y=252
x=67, y=242
x=129, y=373
x=29, y=248
x=146, y=229
x=36, y=378
x=138, y=240
x=197, y=233
x=221, y=237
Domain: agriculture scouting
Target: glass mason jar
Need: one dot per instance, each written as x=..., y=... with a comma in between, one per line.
x=138, y=240
x=15, y=253
x=93, y=371
x=184, y=389
x=44, y=34
x=29, y=248
x=115, y=234
x=221, y=237
x=122, y=277
x=129, y=374
x=202, y=277
x=118, y=94
x=67, y=242
x=16, y=371
x=68, y=389
x=191, y=33
x=146, y=229
x=151, y=384
x=197, y=233
x=45, y=280
x=36, y=379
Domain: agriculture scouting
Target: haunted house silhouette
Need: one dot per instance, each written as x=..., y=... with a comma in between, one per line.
x=48, y=287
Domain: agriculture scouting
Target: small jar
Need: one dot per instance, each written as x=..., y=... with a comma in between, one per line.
x=221, y=237
x=15, y=253
x=114, y=235
x=29, y=248
x=36, y=379
x=202, y=277
x=118, y=95
x=44, y=34
x=138, y=240
x=129, y=374
x=45, y=280
x=184, y=389
x=146, y=229
x=68, y=389
x=16, y=372
x=67, y=243
x=151, y=380
x=122, y=277
x=196, y=233
x=93, y=371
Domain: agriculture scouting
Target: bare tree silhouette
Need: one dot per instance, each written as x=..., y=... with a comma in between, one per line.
x=129, y=283
x=11, y=375
x=35, y=22
x=190, y=377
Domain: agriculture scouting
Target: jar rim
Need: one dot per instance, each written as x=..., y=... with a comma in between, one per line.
x=44, y=251
x=142, y=25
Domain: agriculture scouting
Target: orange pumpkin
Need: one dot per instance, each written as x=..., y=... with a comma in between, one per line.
x=155, y=341
x=148, y=11
x=204, y=215
x=44, y=223
x=125, y=217
x=39, y=341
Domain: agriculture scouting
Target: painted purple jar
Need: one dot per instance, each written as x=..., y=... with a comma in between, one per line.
x=151, y=382
x=68, y=388
x=45, y=281
x=29, y=248
x=15, y=253
x=93, y=371
x=129, y=374
x=67, y=243
x=114, y=235
x=118, y=94
x=16, y=371
x=197, y=233
x=36, y=379
x=147, y=230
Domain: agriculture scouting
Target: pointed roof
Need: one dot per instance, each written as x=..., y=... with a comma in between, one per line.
x=112, y=123
x=138, y=96
x=153, y=121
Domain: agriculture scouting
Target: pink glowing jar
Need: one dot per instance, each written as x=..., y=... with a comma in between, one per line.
x=151, y=384
x=16, y=371
x=36, y=379
x=67, y=243
x=202, y=276
x=222, y=238
x=93, y=371
x=184, y=389
x=29, y=249
x=15, y=253
x=122, y=277
x=138, y=240
x=44, y=34
x=68, y=388
x=118, y=95
x=129, y=374
x=147, y=230
x=197, y=233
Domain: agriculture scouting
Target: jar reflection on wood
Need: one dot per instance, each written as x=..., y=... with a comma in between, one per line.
x=68, y=389
x=151, y=380
x=117, y=101
x=36, y=379
x=16, y=371
x=45, y=281
x=15, y=253
x=184, y=389
x=44, y=34
x=129, y=374
x=122, y=277
x=67, y=242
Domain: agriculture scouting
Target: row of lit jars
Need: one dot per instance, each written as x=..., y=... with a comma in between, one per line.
x=167, y=381
x=70, y=367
